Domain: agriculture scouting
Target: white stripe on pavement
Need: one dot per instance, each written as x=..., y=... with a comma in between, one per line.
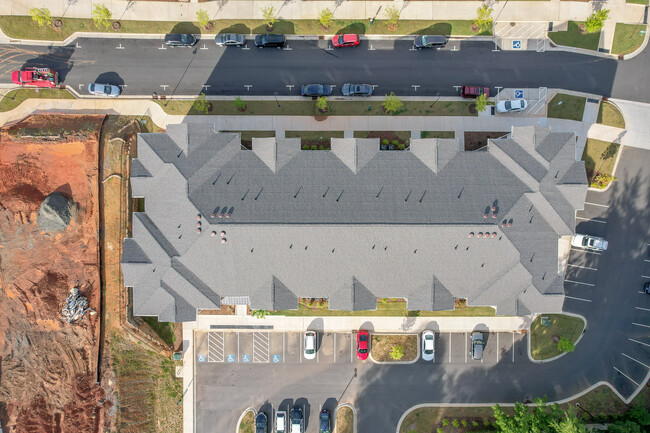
x=577, y=299
x=582, y=267
x=641, y=308
x=626, y=376
x=591, y=219
x=638, y=324
x=578, y=282
x=596, y=204
x=645, y=344
x=646, y=366
x=585, y=251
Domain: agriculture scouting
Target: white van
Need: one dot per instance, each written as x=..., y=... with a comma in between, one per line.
x=281, y=422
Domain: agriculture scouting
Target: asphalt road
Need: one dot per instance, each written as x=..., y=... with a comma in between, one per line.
x=144, y=66
x=604, y=288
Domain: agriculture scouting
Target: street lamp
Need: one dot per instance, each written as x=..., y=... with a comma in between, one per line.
x=276, y=99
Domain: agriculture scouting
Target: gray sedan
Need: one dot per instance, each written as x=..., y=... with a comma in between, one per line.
x=229, y=39
x=103, y=90
x=356, y=89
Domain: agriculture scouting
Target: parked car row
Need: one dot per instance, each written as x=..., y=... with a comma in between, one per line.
x=293, y=423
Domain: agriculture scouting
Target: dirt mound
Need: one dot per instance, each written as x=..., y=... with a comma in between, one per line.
x=48, y=367
x=54, y=213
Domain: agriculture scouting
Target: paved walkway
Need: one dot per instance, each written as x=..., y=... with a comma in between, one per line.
x=636, y=115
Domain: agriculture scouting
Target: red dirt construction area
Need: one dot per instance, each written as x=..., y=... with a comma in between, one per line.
x=48, y=369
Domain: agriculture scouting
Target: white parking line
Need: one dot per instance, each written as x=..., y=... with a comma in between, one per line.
x=635, y=360
x=577, y=299
x=120, y=47
x=585, y=251
x=596, y=204
x=582, y=267
x=513, y=347
x=238, y=347
x=578, y=282
x=466, y=344
x=351, y=338
x=283, y=346
x=643, y=293
x=641, y=308
x=644, y=276
x=645, y=344
x=626, y=376
x=591, y=219
x=203, y=47
x=300, y=337
x=639, y=324
x=450, y=347
x=334, y=348
x=646, y=260
x=497, y=347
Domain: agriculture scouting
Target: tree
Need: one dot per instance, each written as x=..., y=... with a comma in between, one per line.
x=483, y=20
x=321, y=103
x=569, y=423
x=525, y=419
x=392, y=15
x=392, y=104
x=397, y=352
x=564, y=345
x=101, y=16
x=260, y=314
x=41, y=16
x=268, y=15
x=239, y=104
x=201, y=104
x=596, y=21
x=481, y=103
x=326, y=18
x=203, y=18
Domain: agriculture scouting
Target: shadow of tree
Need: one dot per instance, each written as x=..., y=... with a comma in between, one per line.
x=436, y=29
x=280, y=26
x=358, y=28
x=186, y=27
x=239, y=28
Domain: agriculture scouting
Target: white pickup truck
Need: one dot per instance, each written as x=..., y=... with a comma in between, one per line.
x=281, y=422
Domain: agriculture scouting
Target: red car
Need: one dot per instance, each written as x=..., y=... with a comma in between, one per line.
x=39, y=77
x=345, y=41
x=363, y=345
x=474, y=91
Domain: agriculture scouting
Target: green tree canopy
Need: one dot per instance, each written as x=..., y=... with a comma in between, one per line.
x=392, y=104
x=41, y=16
x=101, y=16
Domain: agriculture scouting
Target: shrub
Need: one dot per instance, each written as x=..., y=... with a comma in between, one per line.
x=475, y=424
x=101, y=16
x=239, y=104
x=455, y=423
x=41, y=16
x=392, y=15
x=397, y=352
x=445, y=422
x=486, y=423
x=384, y=141
x=201, y=104
x=321, y=103
x=392, y=104
x=268, y=15
x=383, y=300
x=439, y=430
x=596, y=21
x=463, y=423
x=314, y=147
x=260, y=314
x=326, y=18
x=564, y=345
x=483, y=20
x=203, y=18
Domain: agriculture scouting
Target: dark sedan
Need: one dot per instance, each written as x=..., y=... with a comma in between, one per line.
x=356, y=89
x=180, y=40
x=316, y=90
x=270, y=40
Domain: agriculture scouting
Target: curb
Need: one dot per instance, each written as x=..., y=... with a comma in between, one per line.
x=354, y=416
x=541, y=361
x=243, y=414
x=417, y=352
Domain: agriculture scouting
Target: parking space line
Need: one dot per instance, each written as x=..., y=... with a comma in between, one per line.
x=578, y=282
x=626, y=376
x=577, y=299
x=351, y=337
x=644, y=276
x=645, y=344
x=641, y=308
x=642, y=292
x=466, y=344
x=300, y=337
x=318, y=351
x=646, y=260
x=238, y=346
x=334, y=348
x=638, y=324
x=283, y=348
x=628, y=356
x=582, y=267
x=450, y=347
x=513, y=347
x=596, y=204
x=591, y=219
x=497, y=347
x=580, y=250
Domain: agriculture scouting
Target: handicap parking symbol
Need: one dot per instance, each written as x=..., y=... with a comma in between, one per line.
x=231, y=358
x=516, y=45
x=246, y=358
x=276, y=358
x=519, y=94
x=201, y=357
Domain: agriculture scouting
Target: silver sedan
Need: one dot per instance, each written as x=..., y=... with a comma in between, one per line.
x=229, y=39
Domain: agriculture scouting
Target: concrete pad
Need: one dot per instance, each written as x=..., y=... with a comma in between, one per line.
x=344, y=347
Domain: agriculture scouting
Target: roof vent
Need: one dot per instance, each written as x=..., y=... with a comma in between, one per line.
x=471, y=235
x=198, y=217
x=480, y=235
x=223, y=234
x=198, y=231
x=228, y=215
x=485, y=215
x=503, y=224
x=510, y=223
x=213, y=234
x=224, y=240
x=212, y=215
x=220, y=215
x=494, y=234
x=494, y=216
x=198, y=224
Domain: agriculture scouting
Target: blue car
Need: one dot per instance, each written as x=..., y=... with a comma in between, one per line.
x=324, y=418
x=260, y=423
x=316, y=90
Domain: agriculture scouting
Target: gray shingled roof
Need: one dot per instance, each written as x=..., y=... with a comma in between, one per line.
x=352, y=224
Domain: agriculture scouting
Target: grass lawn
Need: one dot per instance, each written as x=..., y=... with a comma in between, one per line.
x=247, y=424
x=382, y=344
x=564, y=106
x=344, y=420
x=543, y=340
x=165, y=330
x=572, y=37
x=628, y=37
x=24, y=28
x=314, y=140
x=610, y=115
x=437, y=134
x=16, y=97
x=638, y=2
x=389, y=309
x=308, y=108
x=599, y=157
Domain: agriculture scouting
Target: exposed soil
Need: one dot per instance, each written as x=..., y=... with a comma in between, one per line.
x=48, y=380
x=382, y=344
x=478, y=139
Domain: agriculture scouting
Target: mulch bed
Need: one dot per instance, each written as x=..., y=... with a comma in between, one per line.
x=478, y=139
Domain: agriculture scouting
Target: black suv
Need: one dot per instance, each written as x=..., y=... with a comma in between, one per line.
x=180, y=40
x=270, y=40
x=429, y=41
